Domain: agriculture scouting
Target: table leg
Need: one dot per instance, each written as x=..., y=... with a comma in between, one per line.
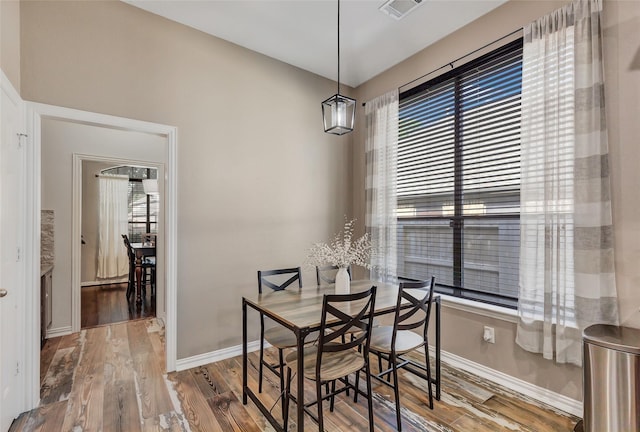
x=438, y=381
x=300, y=372
x=138, y=279
x=244, y=352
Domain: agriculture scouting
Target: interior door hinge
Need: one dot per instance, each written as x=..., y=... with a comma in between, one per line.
x=20, y=137
x=18, y=254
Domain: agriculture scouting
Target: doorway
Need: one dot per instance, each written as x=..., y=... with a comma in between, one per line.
x=38, y=115
x=107, y=278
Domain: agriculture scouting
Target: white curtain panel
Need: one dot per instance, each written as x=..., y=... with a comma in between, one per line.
x=113, y=260
x=381, y=148
x=567, y=279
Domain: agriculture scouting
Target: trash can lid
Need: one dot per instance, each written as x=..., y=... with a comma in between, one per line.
x=613, y=337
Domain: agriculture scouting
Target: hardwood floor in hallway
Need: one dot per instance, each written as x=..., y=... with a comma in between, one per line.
x=111, y=378
x=107, y=304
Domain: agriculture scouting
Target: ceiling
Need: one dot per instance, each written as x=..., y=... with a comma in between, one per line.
x=303, y=33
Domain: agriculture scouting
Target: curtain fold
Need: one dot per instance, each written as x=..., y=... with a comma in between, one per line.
x=113, y=260
x=567, y=279
x=381, y=150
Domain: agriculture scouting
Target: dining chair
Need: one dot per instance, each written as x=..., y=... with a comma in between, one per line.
x=392, y=342
x=275, y=334
x=148, y=270
x=149, y=238
x=332, y=359
x=150, y=261
x=131, y=282
x=327, y=274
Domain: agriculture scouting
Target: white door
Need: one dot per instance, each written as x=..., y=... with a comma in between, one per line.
x=12, y=216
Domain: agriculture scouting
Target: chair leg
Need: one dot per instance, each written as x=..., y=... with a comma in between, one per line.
x=343, y=341
x=281, y=360
x=428, y=365
x=131, y=283
x=356, y=387
x=333, y=389
x=396, y=393
x=261, y=362
x=285, y=402
x=319, y=396
x=144, y=284
x=153, y=282
x=369, y=394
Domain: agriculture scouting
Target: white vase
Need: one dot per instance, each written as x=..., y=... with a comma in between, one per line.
x=343, y=281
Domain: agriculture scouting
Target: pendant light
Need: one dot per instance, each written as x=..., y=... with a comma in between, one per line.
x=338, y=112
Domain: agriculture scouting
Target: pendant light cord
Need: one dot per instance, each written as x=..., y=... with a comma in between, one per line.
x=338, y=46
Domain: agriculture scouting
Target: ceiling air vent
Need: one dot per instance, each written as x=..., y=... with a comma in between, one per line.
x=398, y=9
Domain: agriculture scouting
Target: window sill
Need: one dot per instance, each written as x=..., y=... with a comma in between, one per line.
x=479, y=308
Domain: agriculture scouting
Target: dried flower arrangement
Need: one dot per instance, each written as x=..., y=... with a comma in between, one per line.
x=342, y=251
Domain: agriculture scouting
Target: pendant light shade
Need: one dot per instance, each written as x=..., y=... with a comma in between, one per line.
x=338, y=112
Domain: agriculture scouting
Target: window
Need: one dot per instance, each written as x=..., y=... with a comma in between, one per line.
x=459, y=179
x=143, y=208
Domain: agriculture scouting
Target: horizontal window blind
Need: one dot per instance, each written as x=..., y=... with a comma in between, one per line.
x=459, y=178
x=143, y=208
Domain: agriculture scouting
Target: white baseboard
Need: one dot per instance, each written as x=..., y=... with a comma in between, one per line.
x=214, y=356
x=59, y=331
x=103, y=282
x=533, y=391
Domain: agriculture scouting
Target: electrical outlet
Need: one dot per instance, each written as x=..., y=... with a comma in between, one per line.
x=489, y=335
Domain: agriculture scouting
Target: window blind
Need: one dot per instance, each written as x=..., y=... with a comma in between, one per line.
x=143, y=208
x=459, y=178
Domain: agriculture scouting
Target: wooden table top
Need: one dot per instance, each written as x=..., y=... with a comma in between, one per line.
x=302, y=308
x=142, y=246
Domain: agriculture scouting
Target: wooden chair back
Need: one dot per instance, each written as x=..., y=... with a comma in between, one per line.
x=418, y=313
x=273, y=278
x=127, y=244
x=341, y=314
x=149, y=238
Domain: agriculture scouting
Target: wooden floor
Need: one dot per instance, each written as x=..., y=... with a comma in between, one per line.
x=111, y=378
x=107, y=304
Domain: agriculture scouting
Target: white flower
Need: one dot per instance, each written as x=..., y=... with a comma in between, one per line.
x=343, y=251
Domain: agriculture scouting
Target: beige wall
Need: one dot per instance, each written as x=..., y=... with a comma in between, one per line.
x=258, y=179
x=60, y=140
x=10, y=41
x=462, y=331
x=622, y=91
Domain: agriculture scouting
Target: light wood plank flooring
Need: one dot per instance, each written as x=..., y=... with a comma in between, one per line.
x=107, y=304
x=111, y=378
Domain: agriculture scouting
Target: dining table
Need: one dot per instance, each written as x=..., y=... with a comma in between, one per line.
x=141, y=251
x=300, y=311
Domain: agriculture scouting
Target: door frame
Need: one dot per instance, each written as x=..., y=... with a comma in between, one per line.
x=35, y=113
x=76, y=224
x=7, y=88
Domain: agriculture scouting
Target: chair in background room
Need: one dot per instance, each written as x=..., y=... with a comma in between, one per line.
x=131, y=282
x=332, y=359
x=148, y=270
x=149, y=239
x=149, y=264
x=275, y=334
x=327, y=274
x=392, y=342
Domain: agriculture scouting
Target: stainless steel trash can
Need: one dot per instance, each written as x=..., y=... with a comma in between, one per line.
x=611, y=379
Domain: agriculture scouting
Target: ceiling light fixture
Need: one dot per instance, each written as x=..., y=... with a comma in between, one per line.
x=338, y=112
